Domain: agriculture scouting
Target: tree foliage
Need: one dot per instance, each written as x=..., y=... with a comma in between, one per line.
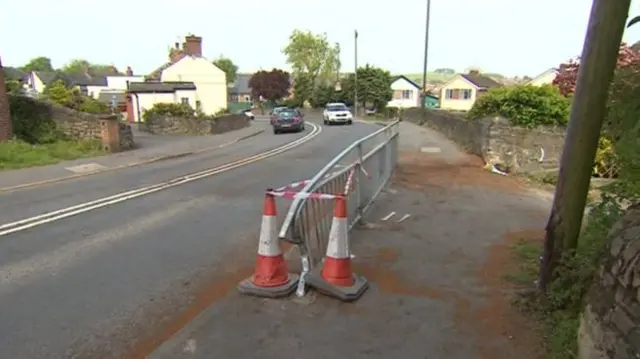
x=567, y=73
x=270, y=85
x=40, y=63
x=230, y=69
x=58, y=93
x=374, y=86
x=80, y=66
x=314, y=56
x=524, y=105
x=5, y=115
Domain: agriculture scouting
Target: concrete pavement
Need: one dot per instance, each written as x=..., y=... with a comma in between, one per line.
x=149, y=148
x=117, y=281
x=437, y=288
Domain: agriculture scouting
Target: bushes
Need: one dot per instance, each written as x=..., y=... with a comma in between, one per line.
x=58, y=93
x=528, y=106
x=169, y=109
x=32, y=121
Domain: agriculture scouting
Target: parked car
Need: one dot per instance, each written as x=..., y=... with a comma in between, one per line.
x=287, y=119
x=370, y=111
x=337, y=113
x=273, y=115
x=247, y=112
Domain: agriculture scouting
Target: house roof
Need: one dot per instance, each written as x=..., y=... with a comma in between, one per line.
x=413, y=83
x=548, y=71
x=160, y=87
x=79, y=79
x=45, y=76
x=12, y=73
x=241, y=85
x=481, y=81
x=106, y=96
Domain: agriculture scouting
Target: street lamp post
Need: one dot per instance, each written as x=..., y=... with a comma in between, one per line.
x=355, y=75
x=426, y=53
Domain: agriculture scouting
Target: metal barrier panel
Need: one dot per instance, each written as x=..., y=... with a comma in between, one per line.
x=370, y=161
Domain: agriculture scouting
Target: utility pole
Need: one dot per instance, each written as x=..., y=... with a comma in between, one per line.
x=597, y=64
x=426, y=54
x=355, y=74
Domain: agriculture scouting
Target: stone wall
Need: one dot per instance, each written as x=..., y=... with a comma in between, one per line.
x=495, y=140
x=168, y=125
x=610, y=325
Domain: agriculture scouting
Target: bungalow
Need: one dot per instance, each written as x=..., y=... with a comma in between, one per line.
x=462, y=91
x=240, y=91
x=406, y=93
x=186, y=78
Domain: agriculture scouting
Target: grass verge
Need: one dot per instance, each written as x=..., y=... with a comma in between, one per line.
x=18, y=154
x=558, y=314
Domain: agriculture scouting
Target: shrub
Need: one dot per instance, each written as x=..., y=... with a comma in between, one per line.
x=58, y=93
x=169, y=109
x=525, y=105
x=32, y=121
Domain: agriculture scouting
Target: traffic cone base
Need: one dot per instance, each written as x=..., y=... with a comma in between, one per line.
x=346, y=294
x=338, y=271
x=270, y=277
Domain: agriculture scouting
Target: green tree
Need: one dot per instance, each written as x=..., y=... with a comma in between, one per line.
x=374, y=86
x=58, y=92
x=524, y=105
x=40, y=63
x=314, y=56
x=6, y=130
x=76, y=66
x=230, y=69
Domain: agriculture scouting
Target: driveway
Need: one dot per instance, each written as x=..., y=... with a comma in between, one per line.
x=436, y=251
x=106, y=282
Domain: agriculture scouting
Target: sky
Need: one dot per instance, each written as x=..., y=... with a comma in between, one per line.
x=504, y=36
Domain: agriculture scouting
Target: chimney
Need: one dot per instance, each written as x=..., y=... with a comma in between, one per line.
x=129, y=71
x=474, y=72
x=192, y=45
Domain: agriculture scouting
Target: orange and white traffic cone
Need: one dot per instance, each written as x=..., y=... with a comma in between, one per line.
x=270, y=278
x=335, y=277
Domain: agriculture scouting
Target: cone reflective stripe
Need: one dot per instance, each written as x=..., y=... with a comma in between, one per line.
x=270, y=277
x=337, y=262
x=335, y=276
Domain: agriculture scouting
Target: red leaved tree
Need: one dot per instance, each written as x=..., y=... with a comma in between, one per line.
x=270, y=85
x=568, y=71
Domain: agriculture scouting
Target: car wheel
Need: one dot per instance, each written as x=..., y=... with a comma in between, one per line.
x=275, y=132
x=349, y=122
x=302, y=128
x=252, y=117
x=325, y=122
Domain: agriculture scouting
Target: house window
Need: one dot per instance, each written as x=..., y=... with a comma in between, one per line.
x=458, y=94
x=247, y=99
x=185, y=100
x=234, y=98
x=407, y=94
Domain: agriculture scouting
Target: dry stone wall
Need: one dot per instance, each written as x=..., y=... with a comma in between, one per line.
x=495, y=140
x=610, y=325
x=169, y=125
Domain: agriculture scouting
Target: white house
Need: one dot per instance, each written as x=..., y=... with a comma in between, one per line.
x=187, y=78
x=462, y=91
x=406, y=93
x=545, y=78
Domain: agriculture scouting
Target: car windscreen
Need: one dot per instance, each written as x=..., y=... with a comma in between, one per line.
x=337, y=108
x=287, y=113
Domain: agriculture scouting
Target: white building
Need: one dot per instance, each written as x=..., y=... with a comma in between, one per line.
x=406, y=93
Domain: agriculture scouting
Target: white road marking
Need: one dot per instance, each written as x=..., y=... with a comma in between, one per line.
x=403, y=218
x=190, y=346
x=430, y=149
x=383, y=218
x=48, y=217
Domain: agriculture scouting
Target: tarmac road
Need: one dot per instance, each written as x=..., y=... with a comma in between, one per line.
x=99, y=283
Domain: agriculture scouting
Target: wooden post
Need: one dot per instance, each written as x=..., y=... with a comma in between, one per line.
x=597, y=65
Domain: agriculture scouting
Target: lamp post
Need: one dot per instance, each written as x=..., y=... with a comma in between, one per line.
x=426, y=53
x=355, y=75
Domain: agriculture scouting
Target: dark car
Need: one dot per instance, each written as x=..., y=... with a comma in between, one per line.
x=287, y=120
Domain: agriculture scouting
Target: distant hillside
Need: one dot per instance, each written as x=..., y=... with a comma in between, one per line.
x=440, y=78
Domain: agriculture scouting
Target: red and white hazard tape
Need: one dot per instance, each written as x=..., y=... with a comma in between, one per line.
x=347, y=186
x=302, y=195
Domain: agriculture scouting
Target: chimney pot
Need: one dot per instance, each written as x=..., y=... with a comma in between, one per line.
x=193, y=45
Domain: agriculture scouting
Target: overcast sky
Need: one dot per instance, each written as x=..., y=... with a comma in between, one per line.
x=505, y=36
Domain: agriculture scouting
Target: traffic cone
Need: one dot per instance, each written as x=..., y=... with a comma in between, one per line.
x=270, y=278
x=335, y=277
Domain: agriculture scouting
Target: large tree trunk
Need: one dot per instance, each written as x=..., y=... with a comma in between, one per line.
x=6, y=131
x=597, y=65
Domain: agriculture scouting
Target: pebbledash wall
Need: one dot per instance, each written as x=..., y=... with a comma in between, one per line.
x=610, y=324
x=496, y=141
x=168, y=125
x=80, y=125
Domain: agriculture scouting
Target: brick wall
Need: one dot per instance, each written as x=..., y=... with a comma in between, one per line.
x=609, y=327
x=167, y=125
x=495, y=140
